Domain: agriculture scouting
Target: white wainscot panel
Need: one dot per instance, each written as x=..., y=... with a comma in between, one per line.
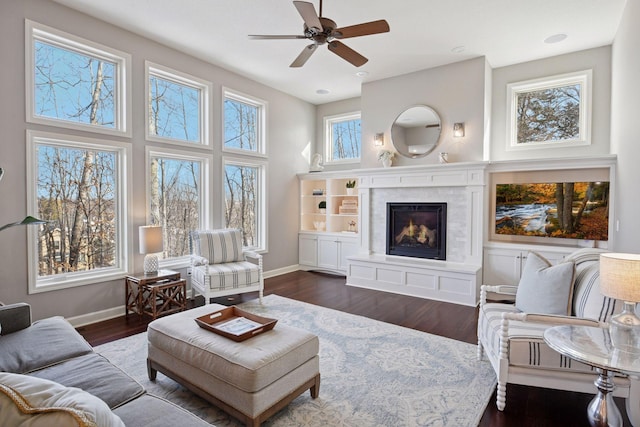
x=421, y=280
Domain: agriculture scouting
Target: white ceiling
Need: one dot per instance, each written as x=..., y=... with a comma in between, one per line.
x=423, y=34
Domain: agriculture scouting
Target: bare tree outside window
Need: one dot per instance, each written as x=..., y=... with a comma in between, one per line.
x=346, y=139
x=549, y=115
x=174, y=110
x=241, y=122
x=76, y=196
x=175, y=201
x=72, y=86
x=241, y=203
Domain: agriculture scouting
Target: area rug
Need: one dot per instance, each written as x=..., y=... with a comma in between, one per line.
x=373, y=373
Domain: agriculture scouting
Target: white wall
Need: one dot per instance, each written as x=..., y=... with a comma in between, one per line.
x=456, y=92
x=625, y=111
x=598, y=60
x=290, y=127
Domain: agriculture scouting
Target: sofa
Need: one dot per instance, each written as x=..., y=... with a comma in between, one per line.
x=50, y=376
x=511, y=327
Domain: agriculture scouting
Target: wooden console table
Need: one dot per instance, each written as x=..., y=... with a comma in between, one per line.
x=155, y=294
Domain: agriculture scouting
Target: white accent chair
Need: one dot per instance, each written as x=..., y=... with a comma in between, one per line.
x=220, y=267
x=513, y=341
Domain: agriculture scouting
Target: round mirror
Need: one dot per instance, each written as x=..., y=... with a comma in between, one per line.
x=415, y=132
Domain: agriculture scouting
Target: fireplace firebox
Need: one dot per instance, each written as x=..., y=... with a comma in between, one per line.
x=417, y=230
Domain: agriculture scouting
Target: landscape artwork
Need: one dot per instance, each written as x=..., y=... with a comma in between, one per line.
x=567, y=210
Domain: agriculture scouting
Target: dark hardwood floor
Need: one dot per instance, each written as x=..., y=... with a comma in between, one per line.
x=526, y=406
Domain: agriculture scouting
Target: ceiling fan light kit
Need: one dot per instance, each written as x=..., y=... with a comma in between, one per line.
x=321, y=30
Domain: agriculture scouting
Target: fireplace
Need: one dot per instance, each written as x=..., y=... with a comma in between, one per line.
x=417, y=230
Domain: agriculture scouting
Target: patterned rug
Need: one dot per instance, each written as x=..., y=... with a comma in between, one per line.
x=373, y=373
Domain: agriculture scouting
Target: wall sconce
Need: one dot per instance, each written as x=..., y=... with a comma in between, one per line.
x=458, y=130
x=378, y=140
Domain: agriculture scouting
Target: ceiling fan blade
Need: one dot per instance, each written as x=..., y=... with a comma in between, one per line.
x=274, y=37
x=304, y=56
x=308, y=13
x=346, y=53
x=368, y=28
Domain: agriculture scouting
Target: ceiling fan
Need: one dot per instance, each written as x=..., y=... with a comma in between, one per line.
x=321, y=30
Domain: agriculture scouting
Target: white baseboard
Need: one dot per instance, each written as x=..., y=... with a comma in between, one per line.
x=112, y=313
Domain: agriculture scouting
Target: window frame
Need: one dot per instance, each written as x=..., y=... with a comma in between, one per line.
x=262, y=106
x=122, y=220
x=584, y=78
x=329, y=121
x=204, y=110
x=122, y=97
x=204, y=192
x=262, y=215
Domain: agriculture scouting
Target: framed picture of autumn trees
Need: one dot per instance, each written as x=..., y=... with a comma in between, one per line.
x=560, y=210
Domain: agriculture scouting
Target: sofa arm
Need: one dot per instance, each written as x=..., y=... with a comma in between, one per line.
x=504, y=290
x=552, y=319
x=14, y=317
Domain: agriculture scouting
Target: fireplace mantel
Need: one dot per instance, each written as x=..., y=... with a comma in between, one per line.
x=462, y=187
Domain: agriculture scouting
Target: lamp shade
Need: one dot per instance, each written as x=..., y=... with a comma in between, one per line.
x=150, y=239
x=620, y=276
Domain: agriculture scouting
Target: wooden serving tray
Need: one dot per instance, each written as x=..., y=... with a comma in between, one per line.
x=235, y=324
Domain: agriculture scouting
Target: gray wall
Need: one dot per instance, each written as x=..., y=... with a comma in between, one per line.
x=290, y=127
x=624, y=126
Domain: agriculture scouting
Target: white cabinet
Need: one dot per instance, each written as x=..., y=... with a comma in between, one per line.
x=503, y=266
x=308, y=249
x=333, y=251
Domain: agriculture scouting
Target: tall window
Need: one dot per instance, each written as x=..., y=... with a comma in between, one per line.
x=342, y=138
x=551, y=112
x=178, y=109
x=177, y=197
x=74, y=83
x=244, y=119
x=244, y=187
x=77, y=187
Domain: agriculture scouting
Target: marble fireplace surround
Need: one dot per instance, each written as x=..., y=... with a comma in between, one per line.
x=462, y=187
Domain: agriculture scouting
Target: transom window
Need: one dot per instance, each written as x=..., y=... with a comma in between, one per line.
x=78, y=187
x=244, y=123
x=342, y=138
x=177, y=197
x=244, y=208
x=75, y=83
x=178, y=109
x=554, y=111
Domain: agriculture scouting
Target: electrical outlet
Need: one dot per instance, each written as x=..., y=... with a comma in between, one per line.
x=189, y=271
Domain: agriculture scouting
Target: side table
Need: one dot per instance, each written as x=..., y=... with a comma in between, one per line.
x=593, y=346
x=155, y=294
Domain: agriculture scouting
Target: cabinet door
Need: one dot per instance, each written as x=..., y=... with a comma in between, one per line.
x=347, y=248
x=308, y=250
x=502, y=266
x=328, y=252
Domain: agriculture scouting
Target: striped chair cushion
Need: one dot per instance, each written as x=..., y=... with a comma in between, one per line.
x=526, y=344
x=588, y=301
x=217, y=246
x=230, y=275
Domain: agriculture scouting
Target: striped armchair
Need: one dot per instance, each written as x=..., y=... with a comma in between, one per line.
x=220, y=267
x=513, y=341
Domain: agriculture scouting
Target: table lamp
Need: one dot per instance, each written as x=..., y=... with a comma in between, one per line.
x=150, y=245
x=620, y=279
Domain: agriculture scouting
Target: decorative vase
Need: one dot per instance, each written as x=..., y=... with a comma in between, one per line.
x=350, y=191
x=386, y=163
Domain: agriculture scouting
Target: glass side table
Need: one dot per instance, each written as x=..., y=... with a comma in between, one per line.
x=593, y=346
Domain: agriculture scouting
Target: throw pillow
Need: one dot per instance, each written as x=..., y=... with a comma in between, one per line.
x=35, y=402
x=543, y=288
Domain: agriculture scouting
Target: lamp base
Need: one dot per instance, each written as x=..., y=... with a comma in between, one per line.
x=150, y=264
x=624, y=329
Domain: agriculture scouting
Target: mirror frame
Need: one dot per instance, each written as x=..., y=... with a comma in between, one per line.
x=432, y=137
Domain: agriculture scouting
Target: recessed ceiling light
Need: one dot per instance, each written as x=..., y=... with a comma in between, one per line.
x=556, y=38
x=458, y=49
x=362, y=73
x=322, y=91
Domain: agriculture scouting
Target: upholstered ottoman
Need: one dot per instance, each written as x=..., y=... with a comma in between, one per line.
x=250, y=380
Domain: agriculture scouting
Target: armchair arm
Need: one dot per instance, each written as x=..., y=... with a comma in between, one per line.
x=253, y=255
x=14, y=317
x=552, y=319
